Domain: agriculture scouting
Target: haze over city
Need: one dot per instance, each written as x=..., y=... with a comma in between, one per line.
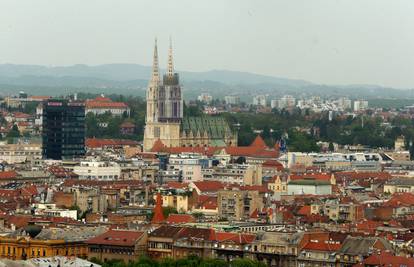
x=207, y=133
x=326, y=42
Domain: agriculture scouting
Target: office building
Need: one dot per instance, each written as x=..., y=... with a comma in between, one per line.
x=63, y=129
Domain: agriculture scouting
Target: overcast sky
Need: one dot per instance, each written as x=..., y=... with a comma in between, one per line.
x=324, y=41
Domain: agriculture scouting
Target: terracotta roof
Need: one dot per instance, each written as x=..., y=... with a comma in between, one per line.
x=400, y=199
x=236, y=238
x=322, y=245
x=180, y=218
x=260, y=188
x=97, y=143
x=8, y=175
x=257, y=149
x=104, y=102
x=271, y=163
x=209, y=186
x=304, y=211
x=314, y=176
x=21, y=115
x=117, y=238
x=258, y=142
x=176, y=185
x=384, y=258
x=127, y=124
x=207, y=202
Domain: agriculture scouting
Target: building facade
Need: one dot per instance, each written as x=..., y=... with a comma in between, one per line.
x=63, y=129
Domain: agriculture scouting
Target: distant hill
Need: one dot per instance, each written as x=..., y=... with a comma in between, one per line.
x=133, y=79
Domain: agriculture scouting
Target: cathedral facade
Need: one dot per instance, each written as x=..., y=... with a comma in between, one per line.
x=164, y=117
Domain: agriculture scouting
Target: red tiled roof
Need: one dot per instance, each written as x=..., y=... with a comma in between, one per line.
x=117, y=238
x=314, y=176
x=209, y=186
x=207, y=202
x=237, y=238
x=180, y=218
x=127, y=124
x=257, y=149
x=21, y=115
x=273, y=163
x=384, y=258
x=96, y=104
x=96, y=143
x=260, y=188
x=258, y=142
x=400, y=199
x=176, y=185
x=305, y=211
x=322, y=245
x=8, y=175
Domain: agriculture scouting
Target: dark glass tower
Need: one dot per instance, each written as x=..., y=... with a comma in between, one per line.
x=63, y=131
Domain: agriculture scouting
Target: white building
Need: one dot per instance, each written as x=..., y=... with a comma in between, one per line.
x=19, y=153
x=188, y=164
x=286, y=102
x=360, y=105
x=232, y=100
x=259, y=100
x=344, y=103
x=51, y=210
x=98, y=170
x=102, y=105
x=205, y=98
x=309, y=187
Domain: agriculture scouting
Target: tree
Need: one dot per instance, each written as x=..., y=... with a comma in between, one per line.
x=331, y=147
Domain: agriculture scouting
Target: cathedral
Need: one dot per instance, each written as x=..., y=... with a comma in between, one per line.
x=165, y=122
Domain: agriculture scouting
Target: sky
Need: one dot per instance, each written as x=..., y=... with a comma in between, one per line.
x=322, y=41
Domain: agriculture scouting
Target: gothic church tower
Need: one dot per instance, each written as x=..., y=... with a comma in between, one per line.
x=164, y=105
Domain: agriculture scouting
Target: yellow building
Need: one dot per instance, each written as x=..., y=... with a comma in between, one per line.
x=34, y=242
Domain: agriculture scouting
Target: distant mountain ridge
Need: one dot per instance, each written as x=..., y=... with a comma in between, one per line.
x=127, y=72
x=127, y=78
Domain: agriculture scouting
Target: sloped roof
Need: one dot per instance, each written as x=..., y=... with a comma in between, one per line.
x=258, y=142
x=214, y=127
x=362, y=245
x=209, y=186
x=323, y=246
x=116, y=238
x=98, y=142
x=180, y=218
x=8, y=175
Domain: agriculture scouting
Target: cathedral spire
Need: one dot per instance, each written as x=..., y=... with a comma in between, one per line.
x=170, y=68
x=155, y=77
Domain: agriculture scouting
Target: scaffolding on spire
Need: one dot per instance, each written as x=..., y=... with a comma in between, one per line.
x=170, y=68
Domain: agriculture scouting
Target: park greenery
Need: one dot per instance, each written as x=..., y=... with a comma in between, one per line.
x=191, y=261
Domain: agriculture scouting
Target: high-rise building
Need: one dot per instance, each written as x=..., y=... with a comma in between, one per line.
x=63, y=129
x=360, y=105
x=232, y=100
x=259, y=100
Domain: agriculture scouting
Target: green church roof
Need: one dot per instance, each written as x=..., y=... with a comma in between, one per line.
x=215, y=127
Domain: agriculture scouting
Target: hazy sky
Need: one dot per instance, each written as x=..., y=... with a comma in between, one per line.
x=324, y=41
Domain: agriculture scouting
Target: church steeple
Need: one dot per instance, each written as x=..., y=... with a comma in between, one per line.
x=155, y=76
x=170, y=67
